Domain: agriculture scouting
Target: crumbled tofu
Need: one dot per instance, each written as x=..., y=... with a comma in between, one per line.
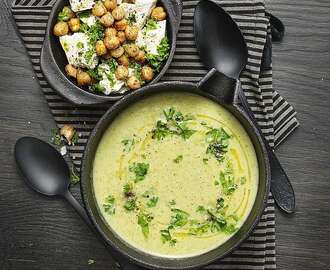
x=80, y=5
x=78, y=51
x=150, y=39
x=90, y=20
x=142, y=11
x=109, y=81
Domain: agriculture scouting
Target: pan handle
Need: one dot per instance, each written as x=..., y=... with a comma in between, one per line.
x=220, y=86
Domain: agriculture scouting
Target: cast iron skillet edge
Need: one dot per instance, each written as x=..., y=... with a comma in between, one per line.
x=208, y=87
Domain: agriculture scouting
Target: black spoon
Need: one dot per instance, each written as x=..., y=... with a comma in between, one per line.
x=45, y=171
x=221, y=45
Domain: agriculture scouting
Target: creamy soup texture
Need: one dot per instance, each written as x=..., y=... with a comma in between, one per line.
x=175, y=175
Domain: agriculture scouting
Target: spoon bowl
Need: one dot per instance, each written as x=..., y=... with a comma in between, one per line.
x=43, y=167
x=219, y=41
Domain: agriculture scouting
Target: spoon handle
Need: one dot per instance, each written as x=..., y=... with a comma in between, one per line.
x=77, y=206
x=281, y=187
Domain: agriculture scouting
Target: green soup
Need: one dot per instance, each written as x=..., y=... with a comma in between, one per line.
x=175, y=175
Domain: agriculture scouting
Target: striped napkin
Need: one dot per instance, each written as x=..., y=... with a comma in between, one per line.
x=275, y=116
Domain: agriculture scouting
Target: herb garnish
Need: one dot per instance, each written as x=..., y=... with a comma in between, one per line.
x=94, y=32
x=179, y=218
x=74, y=176
x=131, y=18
x=143, y=220
x=128, y=144
x=140, y=170
x=56, y=138
x=130, y=196
x=96, y=87
x=137, y=71
x=178, y=159
x=151, y=24
x=218, y=140
x=64, y=15
x=163, y=50
x=227, y=182
x=152, y=202
x=166, y=236
x=175, y=123
x=109, y=205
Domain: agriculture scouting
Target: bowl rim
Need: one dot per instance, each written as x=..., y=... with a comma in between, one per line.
x=64, y=86
x=96, y=136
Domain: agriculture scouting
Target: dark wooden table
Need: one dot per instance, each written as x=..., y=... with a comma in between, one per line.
x=40, y=233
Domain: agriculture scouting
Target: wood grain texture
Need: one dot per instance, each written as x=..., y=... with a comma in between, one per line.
x=38, y=233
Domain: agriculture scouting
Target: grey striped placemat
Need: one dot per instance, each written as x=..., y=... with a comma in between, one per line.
x=275, y=116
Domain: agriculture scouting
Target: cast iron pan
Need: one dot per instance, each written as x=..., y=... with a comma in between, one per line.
x=53, y=59
x=216, y=87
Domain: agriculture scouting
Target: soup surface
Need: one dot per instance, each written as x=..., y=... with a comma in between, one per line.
x=175, y=175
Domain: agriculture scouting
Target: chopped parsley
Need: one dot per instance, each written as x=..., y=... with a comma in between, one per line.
x=112, y=63
x=178, y=159
x=80, y=45
x=56, y=138
x=109, y=205
x=137, y=71
x=143, y=220
x=94, y=32
x=175, y=123
x=64, y=15
x=140, y=170
x=227, y=182
x=130, y=196
x=96, y=87
x=218, y=140
x=84, y=14
x=163, y=51
x=74, y=176
x=205, y=160
x=95, y=74
x=179, y=218
x=152, y=202
x=131, y=18
x=151, y=24
x=128, y=144
x=166, y=236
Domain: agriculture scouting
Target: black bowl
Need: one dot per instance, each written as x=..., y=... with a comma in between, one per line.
x=53, y=59
x=226, y=99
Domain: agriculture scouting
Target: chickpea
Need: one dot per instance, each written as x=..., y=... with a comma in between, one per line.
x=110, y=4
x=121, y=73
x=112, y=42
x=133, y=83
x=116, y=53
x=68, y=131
x=123, y=60
x=158, y=13
x=147, y=73
x=69, y=14
x=61, y=29
x=141, y=57
x=131, y=32
x=121, y=25
x=107, y=19
x=100, y=48
x=74, y=24
x=99, y=9
x=71, y=71
x=110, y=32
x=83, y=78
x=121, y=36
x=118, y=13
x=132, y=49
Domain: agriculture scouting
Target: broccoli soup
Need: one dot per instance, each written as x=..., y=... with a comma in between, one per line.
x=175, y=175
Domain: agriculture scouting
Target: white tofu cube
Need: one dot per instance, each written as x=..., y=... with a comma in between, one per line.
x=78, y=51
x=151, y=38
x=142, y=11
x=109, y=81
x=80, y=5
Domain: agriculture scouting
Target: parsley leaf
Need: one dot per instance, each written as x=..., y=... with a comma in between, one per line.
x=167, y=237
x=152, y=202
x=163, y=51
x=178, y=159
x=143, y=220
x=128, y=144
x=64, y=15
x=109, y=205
x=179, y=218
x=140, y=170
x=131, y=18
x=151, y=24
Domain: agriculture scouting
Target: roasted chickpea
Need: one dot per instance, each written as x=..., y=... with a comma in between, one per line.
x=71, y=70
x=74, y=24
x=141, y=57
x=158, y=13
x=147, y=73
x=110, y=32
x=121, y=36
x=118, y=13
x=116, y=53
x=100, y=48
x=69, y=14
x=107, y=19
x=121, y=73
x=112, y=42
x=123, y=60
x=133, y=83
x=131, y=32
x=83, y=78
x=68, y=131
x=132, y=50
x=61, y=29
x=121, y=25
x=110, y=4
x=99, y=9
